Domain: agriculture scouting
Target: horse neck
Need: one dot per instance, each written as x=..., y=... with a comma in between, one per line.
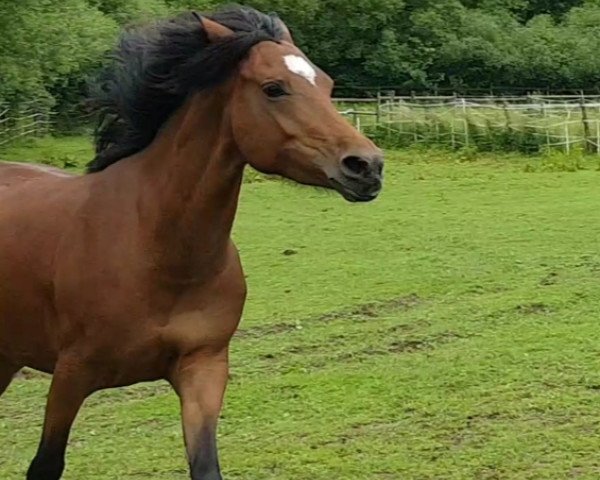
x=193, y=174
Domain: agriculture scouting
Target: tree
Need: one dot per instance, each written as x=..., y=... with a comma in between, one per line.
x=49, y=48
x=44, y=43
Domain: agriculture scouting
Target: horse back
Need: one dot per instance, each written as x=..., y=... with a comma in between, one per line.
x=12, y=173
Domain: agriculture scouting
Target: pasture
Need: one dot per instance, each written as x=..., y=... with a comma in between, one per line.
x=449, y=331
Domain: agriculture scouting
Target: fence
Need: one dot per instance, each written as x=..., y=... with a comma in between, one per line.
x=531, y=123
x=522, y=123
x=25, y=122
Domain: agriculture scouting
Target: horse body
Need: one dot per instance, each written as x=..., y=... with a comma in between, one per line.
x=17, y=173
x=30, y=212
x=129, y=274
x=154, y=310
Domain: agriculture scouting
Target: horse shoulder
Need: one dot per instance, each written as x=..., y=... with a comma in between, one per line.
x=207, y=315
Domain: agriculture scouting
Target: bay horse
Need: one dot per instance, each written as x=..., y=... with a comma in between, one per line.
x=128, y=274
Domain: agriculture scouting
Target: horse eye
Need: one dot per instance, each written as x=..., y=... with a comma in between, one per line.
x=274, y=90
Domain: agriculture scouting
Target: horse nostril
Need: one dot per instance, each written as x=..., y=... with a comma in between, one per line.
x=356, y=165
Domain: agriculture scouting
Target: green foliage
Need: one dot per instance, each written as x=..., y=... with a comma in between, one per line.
x=128, y=11
x=50, y=48
x=45, y=43
x=72, y=153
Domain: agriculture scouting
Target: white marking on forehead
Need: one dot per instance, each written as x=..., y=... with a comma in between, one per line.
x=300, y=66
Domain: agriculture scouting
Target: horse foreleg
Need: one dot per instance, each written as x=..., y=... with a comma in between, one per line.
x=200, y=380
x=7, y=371
x=71, y=384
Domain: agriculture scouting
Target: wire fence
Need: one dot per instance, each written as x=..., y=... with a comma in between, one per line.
x=528, y=123
x=521, y=123
x=22, y=123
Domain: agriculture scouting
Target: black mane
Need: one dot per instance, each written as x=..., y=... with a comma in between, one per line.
x=157, y=67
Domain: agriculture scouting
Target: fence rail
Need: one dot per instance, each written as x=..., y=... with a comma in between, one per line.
x=528, y=123
x=25, y=122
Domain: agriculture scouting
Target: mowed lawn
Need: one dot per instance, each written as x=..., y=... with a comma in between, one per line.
x=450, y=330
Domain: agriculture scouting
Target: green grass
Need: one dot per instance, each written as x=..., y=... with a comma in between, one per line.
x=448, y=331
x=69, y=152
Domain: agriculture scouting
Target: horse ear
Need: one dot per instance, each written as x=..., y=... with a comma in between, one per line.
x=286, y=34
x=214, y=30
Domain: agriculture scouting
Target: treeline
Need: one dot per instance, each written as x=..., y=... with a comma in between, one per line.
x=50, y=48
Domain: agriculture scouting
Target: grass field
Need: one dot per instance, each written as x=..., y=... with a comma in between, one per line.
x=451, y=330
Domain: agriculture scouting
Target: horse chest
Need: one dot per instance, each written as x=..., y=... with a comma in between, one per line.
x=208, y=327
x=207, y=318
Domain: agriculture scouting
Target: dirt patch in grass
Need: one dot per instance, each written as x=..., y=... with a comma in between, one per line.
x=536, y=308
x=363, y=312
x=374, y=309
x=402, y=346
x=550, y=279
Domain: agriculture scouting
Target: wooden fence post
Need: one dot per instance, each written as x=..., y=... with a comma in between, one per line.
x=546, y=126
x=466, y=120
x=598, y=137
x=586, y=126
